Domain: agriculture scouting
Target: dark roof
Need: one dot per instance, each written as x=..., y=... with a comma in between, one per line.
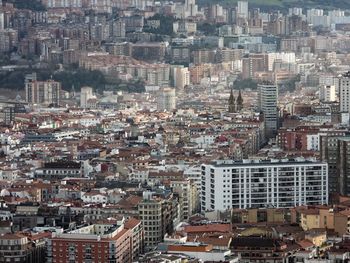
x=63, y=165
x=255, y=242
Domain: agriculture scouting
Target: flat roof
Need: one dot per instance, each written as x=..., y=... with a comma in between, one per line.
x=271, y=162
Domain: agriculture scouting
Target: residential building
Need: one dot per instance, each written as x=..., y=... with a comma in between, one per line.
x=9, y=115
x=16, y=247
x=327, y=93
x=166, y=100
x=43, y=92
x=182, y=78
x=104, y=242
x=333, y=150
x=256, y=184
x=86, y=94
x=267, y=104
x=157, y=216
x=344, y=92
x=59, y=170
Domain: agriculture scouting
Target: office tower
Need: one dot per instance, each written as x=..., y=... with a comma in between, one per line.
x=242, y=9
x=267, y=104
x=327, y=93
x=344, y=92
x=86, y=94
x=42, y=92
x=244, y=184
x=166, y=99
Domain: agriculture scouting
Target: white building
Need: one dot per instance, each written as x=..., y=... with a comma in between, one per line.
x=344, y=92
x=313, y=142
x=182, y=78
x=93, y=197
x=228, y=184
x=86, y=94
x=166, y=99
x=242, y=9
x=284, y=57
x=327, y=93
x=191, y=9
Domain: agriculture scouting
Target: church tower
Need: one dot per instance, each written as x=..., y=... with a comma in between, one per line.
x=231, y=103
x=239, y=101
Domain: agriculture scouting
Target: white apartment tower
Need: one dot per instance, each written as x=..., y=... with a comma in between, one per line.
x=182, y=78
x=327, y=93
x=267, y=104
x=86, y=94
x=242, y=9
x=166, y=99
x=244, y=184
x=191, y=9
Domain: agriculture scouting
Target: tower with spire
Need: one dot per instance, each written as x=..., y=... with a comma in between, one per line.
x=231, y=103
x=239, y=101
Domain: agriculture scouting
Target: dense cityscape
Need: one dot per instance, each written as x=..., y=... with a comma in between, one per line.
x=174, y=131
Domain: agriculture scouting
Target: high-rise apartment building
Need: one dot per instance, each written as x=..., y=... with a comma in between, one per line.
x=42, y=92
x=166, y=99
x=334, y=149
x=9, y=115
x=157, y=216
x=327, y=93
x=86, y=94
x=254, y=63
x=270, y=183
x=267, y=104
x=344, y=165
x=191, y=9
x=242, y=9
x=344, y=92
x=181, y=78
x=188, y=197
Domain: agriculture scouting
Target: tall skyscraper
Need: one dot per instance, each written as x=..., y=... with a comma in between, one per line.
x=344, y=92
x=267, y=104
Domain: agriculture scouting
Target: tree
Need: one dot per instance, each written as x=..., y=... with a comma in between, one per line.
x=34, y=5
x=207, y=29
x=166, y=25
x=245, y=84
